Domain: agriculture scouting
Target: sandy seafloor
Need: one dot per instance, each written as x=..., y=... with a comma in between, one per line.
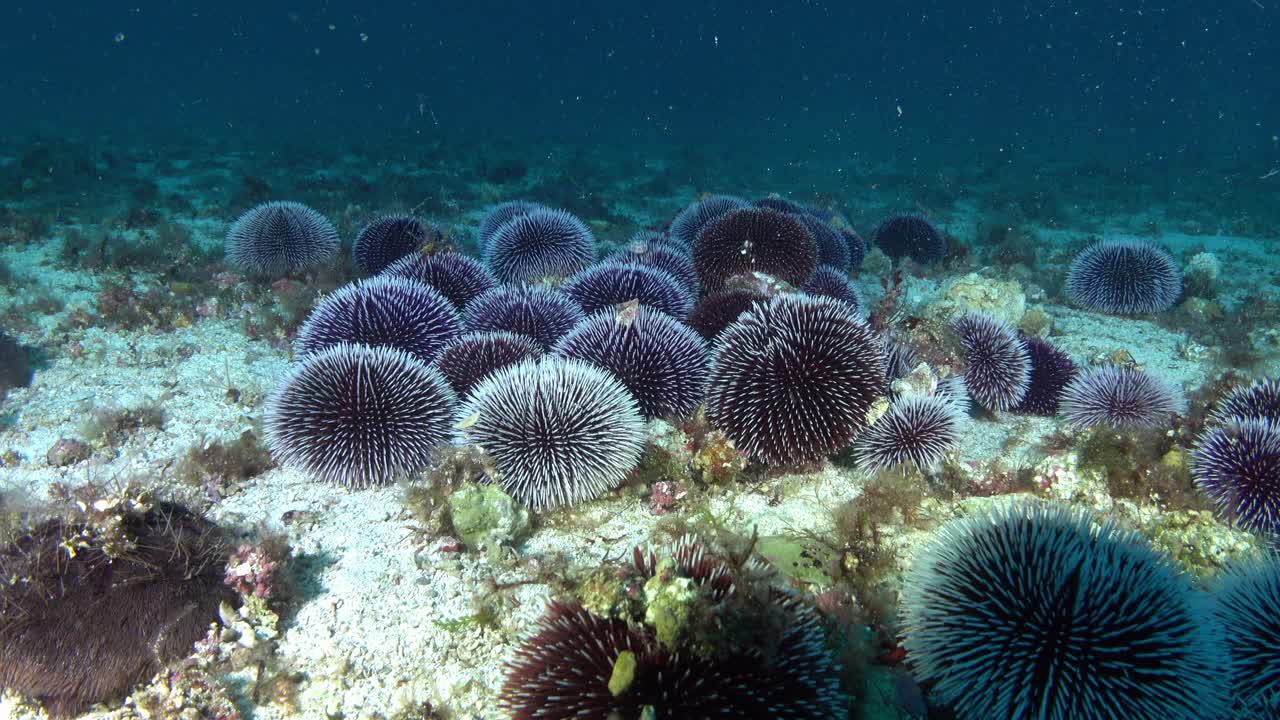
x=376, y=632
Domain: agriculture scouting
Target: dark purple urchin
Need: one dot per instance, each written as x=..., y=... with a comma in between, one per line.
x=389, y=238
x=358, y=415
x=916, y=431
x=1051, y=371
x=1117, y=397
x=1261, y=401
x=659, y=359
x=689, y=223
x=997, y=364
x=474, y=356
x=540, y=313
x=777, y=202
x=833, y=283
x=754, y=240
x=558, y=431
x=899, y=357
x=832, y=248
x=457, y=277
x=608, y=284
x=389, y=311
x=83, y=620
x=857, y=248
x=716, y=311
x=911, y=236
x=1124, y=277
x=275, y=238
x=792, y=379
x=541, y=246
x=658, y=256
x=563, y=672
x=1237, y=465
x=1247, y=606
x=500, y=214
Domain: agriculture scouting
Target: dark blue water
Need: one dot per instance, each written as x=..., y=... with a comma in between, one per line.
x=1134, y=80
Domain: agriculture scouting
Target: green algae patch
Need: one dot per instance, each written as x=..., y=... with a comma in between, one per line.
x=624, y=673
x=486, y=518
x=670, y=603
x=799, y=559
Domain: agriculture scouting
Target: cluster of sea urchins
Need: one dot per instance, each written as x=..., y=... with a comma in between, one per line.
x=1236, y=461
x=439, y=346
x=731, y=654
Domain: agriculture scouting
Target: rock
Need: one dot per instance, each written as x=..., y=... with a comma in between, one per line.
x=67, y=451
x=486, y=518
x=1200, y=275
x=1036, y=323
x=1002, y=299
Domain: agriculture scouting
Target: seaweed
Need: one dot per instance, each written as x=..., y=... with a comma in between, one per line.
x=221, y=466
x=111, y=427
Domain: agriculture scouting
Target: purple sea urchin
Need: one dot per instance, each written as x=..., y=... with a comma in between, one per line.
x=1260, y=401
x=500, y=214
x=716, y=311
x=1035, y=611
x=916, y=431
x=659, y=256
x=911, y=236
x=608, y=284
x=1237, y=465
x=457, y=277
x=792, y=379
x=358, y=415
x=1051, y=371
x=542, y=314
x=659, y=359
x=389, y=238
x=833, y=251
x=565, y=671
x=474, y=356
x=997, y=365
x=689, y=223
x=540, y=246
x=382, y=310
x=1124, y=277
x=276, y=238
x=857, y=248
x=899, y=357
x=781, y=204
x=754, y=240
x=1117, y=397
x=87, y=612
x=559, y=431
x=1247, y=607
x=830, y=282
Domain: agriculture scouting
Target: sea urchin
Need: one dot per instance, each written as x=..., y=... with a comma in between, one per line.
x=1037, y=611
x=997, y=368
x=558, y=431
x=792, y=379
x=358, y=415
x=659, y=359
x=1237, y=464
x=275, y=238
x=1124, y=278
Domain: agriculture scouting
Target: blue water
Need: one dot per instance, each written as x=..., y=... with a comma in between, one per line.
x=790, y=80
